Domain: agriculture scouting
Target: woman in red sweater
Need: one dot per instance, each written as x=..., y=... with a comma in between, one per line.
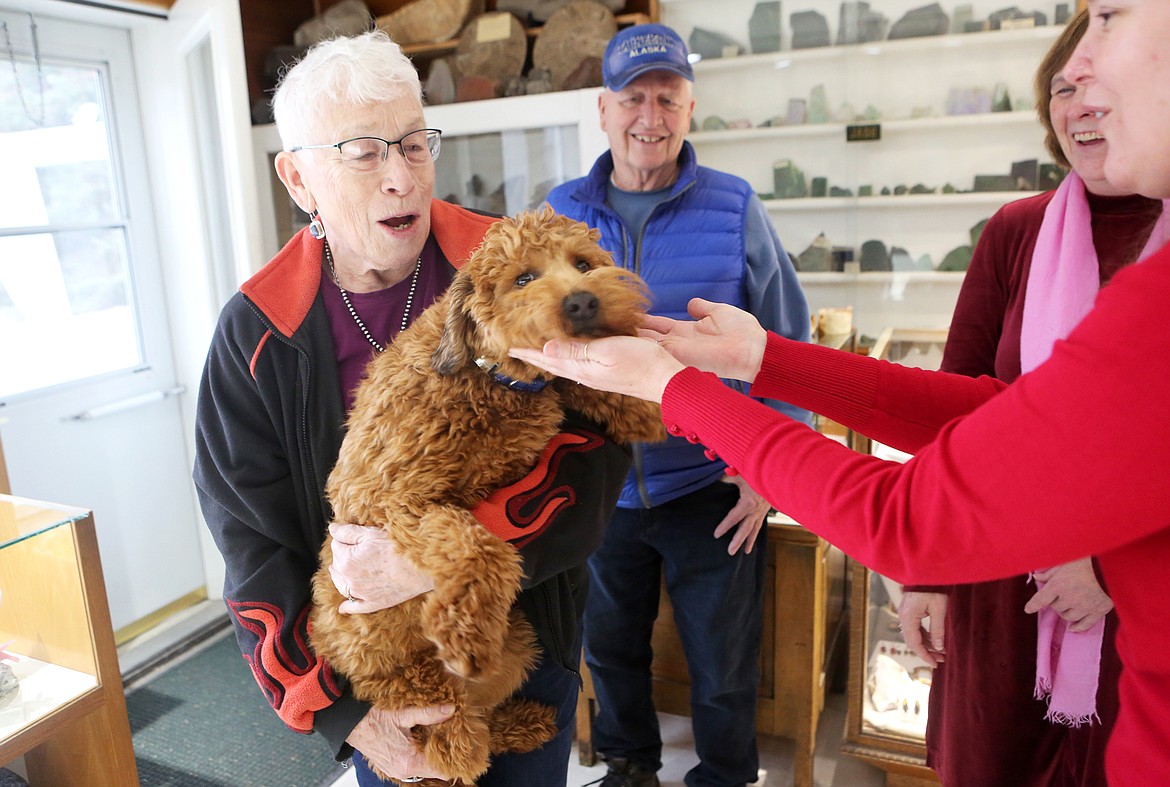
x=1068, y=461
x=999, y=713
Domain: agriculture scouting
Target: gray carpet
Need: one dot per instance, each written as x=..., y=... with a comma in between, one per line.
x=205, y=723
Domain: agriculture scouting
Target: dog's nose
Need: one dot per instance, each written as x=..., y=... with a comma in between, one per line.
x=580, y=307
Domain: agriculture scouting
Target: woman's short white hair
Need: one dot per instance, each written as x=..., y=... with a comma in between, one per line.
x=364, y=69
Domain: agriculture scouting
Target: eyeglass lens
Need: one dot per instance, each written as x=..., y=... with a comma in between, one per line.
x=368, y=153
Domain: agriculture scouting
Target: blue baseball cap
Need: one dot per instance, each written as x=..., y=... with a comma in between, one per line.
x=640, y=49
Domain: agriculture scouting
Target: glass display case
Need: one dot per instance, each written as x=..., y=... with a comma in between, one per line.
x=889, y=685
x=61, y=700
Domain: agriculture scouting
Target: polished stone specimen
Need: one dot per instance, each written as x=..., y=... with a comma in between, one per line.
x=995, y=183
x=960, y=16
x=789, y=180
x=900, y=259
x=929, y=20
x=714, y=123
x=865, y=190
x=818, y=105
x=1001, y=100
x=809, y=29
x=764, y=27
x=957, y=259
x=817, y=257
x=1026, y=174
x=849, y=22
x=840, y=191
x=440, y=84
x=1051, y=176
x=818, y=187
x=1008, y=18
x=9, y=685
x=874, y=256
x=711, y=44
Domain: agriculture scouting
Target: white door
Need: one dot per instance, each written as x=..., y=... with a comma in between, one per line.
x=88, y=400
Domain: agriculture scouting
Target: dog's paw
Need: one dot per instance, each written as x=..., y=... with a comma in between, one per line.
x=458, y=747
x=521, y=725
x=468, y=635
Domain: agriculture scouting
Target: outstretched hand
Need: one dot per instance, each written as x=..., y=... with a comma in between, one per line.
x=721, y=339
x=622, y=364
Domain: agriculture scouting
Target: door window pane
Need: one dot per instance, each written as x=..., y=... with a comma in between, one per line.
x=67, y=309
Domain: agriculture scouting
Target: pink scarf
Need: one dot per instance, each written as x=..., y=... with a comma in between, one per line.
x=1062, y=286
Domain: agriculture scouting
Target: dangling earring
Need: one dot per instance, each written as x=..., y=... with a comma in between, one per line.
x=316, y=228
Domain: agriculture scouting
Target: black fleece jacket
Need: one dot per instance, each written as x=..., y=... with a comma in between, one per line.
x=269, y=427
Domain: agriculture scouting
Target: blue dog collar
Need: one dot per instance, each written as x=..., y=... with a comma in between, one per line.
x=536, y=386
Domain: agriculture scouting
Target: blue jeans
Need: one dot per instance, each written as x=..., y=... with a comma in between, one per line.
x=718, y=604
x=548, y=766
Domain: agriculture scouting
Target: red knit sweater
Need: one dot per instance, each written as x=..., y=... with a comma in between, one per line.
x=1070, y=460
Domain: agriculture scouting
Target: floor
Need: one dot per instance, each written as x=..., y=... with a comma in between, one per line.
x=142, y=657
x=831, y=769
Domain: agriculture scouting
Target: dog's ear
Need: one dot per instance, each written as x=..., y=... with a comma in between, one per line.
x=455, y=350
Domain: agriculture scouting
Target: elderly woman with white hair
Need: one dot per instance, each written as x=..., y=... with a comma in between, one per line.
x=290, y=348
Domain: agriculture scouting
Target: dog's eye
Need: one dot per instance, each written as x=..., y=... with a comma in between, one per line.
x=525, y=279
x=584, y=266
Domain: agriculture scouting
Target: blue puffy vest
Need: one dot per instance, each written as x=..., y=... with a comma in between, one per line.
x=692, y=245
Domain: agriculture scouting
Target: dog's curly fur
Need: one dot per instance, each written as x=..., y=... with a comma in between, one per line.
x=431, y=434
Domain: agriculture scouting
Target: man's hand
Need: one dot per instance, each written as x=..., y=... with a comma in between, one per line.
x=747, y=517
x=915, y=607
x=370, y=572
x=1073, y=592
x=383, y=737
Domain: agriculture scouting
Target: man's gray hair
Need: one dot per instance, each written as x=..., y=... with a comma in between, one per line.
x=364, y=69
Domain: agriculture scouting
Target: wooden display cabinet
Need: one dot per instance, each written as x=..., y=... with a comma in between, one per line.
x=890, y=738
x=67, y=717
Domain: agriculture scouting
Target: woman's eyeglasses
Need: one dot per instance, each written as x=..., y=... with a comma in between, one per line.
x=367, y=154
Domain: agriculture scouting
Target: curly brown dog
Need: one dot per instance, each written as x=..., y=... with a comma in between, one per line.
x=433, y=431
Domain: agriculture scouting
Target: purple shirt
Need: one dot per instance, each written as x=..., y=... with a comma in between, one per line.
x=381, y=311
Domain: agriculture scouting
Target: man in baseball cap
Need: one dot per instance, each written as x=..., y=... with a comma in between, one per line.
x=688, y=231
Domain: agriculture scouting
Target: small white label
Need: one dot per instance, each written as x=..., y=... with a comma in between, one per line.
x=493, y=27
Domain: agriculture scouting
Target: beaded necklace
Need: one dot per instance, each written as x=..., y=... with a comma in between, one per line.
x=353, y=312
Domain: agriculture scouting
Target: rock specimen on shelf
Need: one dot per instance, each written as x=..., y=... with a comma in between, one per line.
x=959, y=258
x=492, y=46
x=818, y=105
x=840, y=191
x=900, y=259
x=929, y=20
x=919, y=188
x=968, y=101
x=960, y=16
x=797, y=112
x=578, y=31
x=874, y=256
x=429, y=21
x=440, y=85
x=818, y=257
x=1013, y=17
x=477, y=88
x=849, y=22
x=540, y=11
x=865, y=190
x=994, y=183
x=819, y=187
x=586, y=74
x=1051, y=176
x=714, y=123
x=809, y=29
x=1026, y=174
x=347, y=18
x=540, y=80
x=843, y=259
x=739, y=123
x=764, y=27
x=9, y=685
x=1001, y=100
x=1062, y=15
x=710, y=44
x=788, y=180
